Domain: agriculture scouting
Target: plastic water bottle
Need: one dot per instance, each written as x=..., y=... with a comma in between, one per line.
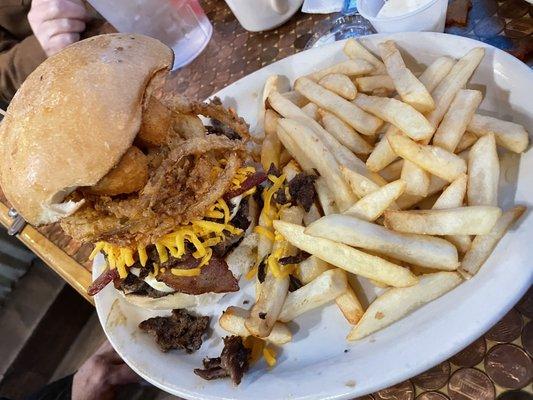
x=180, y=24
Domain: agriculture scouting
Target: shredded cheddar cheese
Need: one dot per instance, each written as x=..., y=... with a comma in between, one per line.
x=185, y=272
x=261, y=230
x=202, y=234
x=269, y=354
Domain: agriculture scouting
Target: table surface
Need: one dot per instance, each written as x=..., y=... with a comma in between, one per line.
x=488, y=368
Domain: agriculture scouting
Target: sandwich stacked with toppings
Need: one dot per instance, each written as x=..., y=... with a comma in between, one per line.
x=93, y=141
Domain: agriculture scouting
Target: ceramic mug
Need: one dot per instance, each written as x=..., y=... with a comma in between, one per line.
x=261, y=15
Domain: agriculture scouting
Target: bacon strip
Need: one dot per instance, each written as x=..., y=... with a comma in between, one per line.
x=250, y=182
x=102, y=281
x=215, y=277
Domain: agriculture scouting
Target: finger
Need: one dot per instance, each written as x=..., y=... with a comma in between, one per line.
x=62, y=25
x=62, y=40
x=122, y=375
x=55, y=9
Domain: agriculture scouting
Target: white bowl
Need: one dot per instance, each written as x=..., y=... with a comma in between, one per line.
x=429, y=18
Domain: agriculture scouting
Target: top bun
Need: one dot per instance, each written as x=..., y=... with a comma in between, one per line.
x=73, y=119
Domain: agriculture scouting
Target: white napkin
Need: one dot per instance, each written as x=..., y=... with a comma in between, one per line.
x=322, y=6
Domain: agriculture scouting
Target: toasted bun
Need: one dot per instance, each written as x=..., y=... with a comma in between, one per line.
x=73, y=119
x=239, y=261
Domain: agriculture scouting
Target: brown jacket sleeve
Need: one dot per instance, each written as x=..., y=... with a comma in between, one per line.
x=17, y=61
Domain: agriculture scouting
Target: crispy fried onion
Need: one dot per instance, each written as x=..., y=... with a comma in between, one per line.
x=186, y=183
x=212, y=109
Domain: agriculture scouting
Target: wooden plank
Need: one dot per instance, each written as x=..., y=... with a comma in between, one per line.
x=70, y=270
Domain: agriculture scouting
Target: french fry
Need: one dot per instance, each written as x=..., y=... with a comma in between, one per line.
x=340, y=84
x=271, y=122
x=264, y=243
x=290, y=170
x=284, y=157
x=370, y=207
x=341, y=153
x=326, y=164
x=354, y=50
x=453, y=196
x=483, y=172
x=273, y=290
x=446, y=90
x=275, y=83
x=294, y=149
x=312, y=215
x=310, y=268
x=325, y=197
x=422, y=250
x=358, y=119
x=393, y=171
x=265, y=312
x=433, y=159
x=410, y=89
x=472, y=220
x=325, y=288
x=271, y=147
x=360, y=185
x=512, y=136
x=232, y=321
x=348, y=67
x=367, y=84
x=415, y=178
x=456, y=119
x=400, y=114
x=436, y=72
x=466, y=141
x=406, y=201
x=396, y=303
x=349, y=304
x=346, y=257
x=382, y=155
x=483, y=245
x=294, y=97
x=344, y=133
x=311, y=109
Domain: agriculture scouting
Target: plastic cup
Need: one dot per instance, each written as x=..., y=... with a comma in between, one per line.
x=431, y=17
x=180, y=24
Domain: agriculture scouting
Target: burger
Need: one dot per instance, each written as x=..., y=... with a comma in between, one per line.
x=94, y=141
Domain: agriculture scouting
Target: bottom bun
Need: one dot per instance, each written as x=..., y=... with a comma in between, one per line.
x=239, y=261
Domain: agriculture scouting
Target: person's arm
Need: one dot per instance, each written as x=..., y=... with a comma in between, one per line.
x=17, y=61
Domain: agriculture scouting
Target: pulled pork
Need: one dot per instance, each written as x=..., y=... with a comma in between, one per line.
x=180, y=330
x=233, y=362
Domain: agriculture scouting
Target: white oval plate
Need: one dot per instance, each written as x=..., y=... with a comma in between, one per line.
x=315, y=365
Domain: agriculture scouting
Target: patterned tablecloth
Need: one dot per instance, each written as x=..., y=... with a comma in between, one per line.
x=497, y=365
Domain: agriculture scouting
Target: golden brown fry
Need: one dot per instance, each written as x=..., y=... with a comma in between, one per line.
x=340, y=84
x=155, y=124
x=271, y=148
x=410, y=89
x=130, y=175
x=188, y=126
x=355, y=50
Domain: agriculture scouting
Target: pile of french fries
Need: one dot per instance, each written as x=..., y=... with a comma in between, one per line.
x=407, y=188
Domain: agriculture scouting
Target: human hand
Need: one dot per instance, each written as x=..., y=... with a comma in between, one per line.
x=57, y=23
x=100, y=375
